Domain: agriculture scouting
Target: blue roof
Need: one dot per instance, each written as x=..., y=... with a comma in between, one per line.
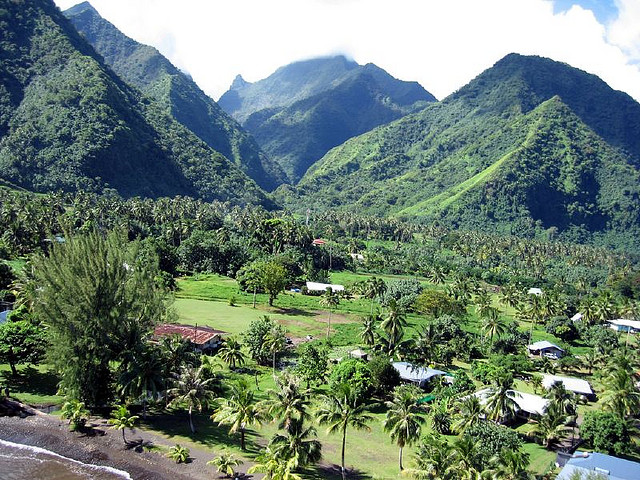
x=414, y=373
x=612, y=468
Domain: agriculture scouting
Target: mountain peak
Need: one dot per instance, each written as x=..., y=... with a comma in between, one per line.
x=80, y=7
x=238, y=83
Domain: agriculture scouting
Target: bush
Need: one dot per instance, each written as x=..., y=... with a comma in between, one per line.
x=563, y=328
x=384, y=378
x=606, y=432
x=491, y=439
x=354, y=372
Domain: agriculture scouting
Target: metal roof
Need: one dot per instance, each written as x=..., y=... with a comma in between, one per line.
x=414, y=373
x=196, y=335
x=542, y=344
x=611, y=468
x=527, y=402
x=576, y=385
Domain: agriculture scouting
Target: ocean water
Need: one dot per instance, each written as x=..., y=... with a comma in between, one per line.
x=24, y=462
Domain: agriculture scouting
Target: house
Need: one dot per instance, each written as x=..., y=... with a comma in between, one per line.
x=322, y=287
x=590, y=463
x=358, y=257
x=577, y=317
x=544, y=348
x=622, y=325
x=527, y=404
x=204, y=339
x=534, y=291
x=575, y=385
x=415, y=374
x=359, y=354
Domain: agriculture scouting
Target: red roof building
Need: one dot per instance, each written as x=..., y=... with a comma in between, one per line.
x=203, y=338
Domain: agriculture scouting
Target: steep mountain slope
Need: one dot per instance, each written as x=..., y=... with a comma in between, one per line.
x=306, y=108
x=68, y=122
x=145, y=68
x=528, y=145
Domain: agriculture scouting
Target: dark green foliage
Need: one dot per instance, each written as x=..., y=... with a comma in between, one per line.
x=563, y=328
x=606, y=432
x=352, y=372
x=145, y=68
x=255, y=339
x=602, y=338
x=313, y=363
x=491, y=439
x=6, y=276
x=384, y=378
x=209, y=252
x=403, y=292
x=437, y=303
x=68, y=122
x=23, y=340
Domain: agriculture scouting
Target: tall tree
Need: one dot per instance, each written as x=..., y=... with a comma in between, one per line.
x=342, y=409
x=239, y=409
x=331, y=300
x=99, y=300
x=405, y=417
x=194, y=390
x=231, y=352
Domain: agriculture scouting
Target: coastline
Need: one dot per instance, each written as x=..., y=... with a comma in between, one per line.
x=104, y=448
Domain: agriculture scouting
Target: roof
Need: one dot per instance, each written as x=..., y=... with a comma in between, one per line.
x=358, y=352
x=543, y=344
x=635, y=324
x=612, y=468
x=196, y=335
x=576, y=317
x=576, y=385
x=414, y=373
x=527, y=402
x=323, y=286
x=4, y=315
x=534, y=291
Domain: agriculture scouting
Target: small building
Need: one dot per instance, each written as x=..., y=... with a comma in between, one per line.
x=577, y=317
x=547, y=349
x=534, y=291
x=575, y=385
x=204, y=339
x=359, y=354
x=358, y=257
x=528, y=405
x=593, y=463
x=627, y=326
x=322, y=287
x=415, y=374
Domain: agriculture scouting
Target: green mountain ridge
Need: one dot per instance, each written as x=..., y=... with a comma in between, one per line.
x=306, y=108
x=146, y=69
x=68, y=122
x=463, y=160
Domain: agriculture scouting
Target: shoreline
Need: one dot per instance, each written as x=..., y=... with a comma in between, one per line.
x=104, y=447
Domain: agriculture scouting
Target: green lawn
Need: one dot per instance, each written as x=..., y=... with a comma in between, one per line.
x=33, y=385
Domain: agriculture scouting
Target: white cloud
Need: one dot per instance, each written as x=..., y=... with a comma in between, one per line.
x=440, y=43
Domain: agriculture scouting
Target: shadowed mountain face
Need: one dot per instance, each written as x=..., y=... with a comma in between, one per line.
x=304, y=109
x=145, y=68
x=529, y=145
x=68, y=122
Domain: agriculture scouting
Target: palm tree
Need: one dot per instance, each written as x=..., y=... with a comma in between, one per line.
x=231, y=352
x=621, y=395
x=368, y=329
x=297, y=445
x=275, y=341
x=76, y=412
x=178, y=453
x=121, y=419
x=339, y=410
x=432, y=459
x=493, y=325
x=464, y=463
x=501, y=404
x=436, y=275
x=238, y=410
x=331, y=300
x=224, y=463
x=551, y=427
x=374, y=288
x=469, y=412
x=274, y=466
x=193, y=389
x=404, y=417
x=287, y=403
x=144, y=377
x=511, y=465
x=395, y=321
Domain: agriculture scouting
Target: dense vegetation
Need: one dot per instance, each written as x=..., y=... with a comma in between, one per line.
x=515, y=150
x=306, y=108
x=68, y=122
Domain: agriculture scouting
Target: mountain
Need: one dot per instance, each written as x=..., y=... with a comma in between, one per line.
x=145, y=68
x=530, y=145
x=304, y=109
x=67, y=121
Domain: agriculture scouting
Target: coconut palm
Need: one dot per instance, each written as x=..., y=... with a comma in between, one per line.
x=193, y=389
x=493, y=325
x=340, y=410
x=143, y=377
x=298, y=445
x=551, y=427
x=274, y=466
x=500, y=403
x=330, y=300
x=288, y=402
x=368, y=329
x=275, y=341
x=511, y=465
x=224, y=463
x=469, y=412
x=405, y=417
x=231, y=352
x=238, y=410
x=178, y=453
x=432, y=459
x=121, y=419
x=395, y=321
x=621, y=395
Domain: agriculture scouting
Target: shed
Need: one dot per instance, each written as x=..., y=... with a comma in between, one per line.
x=546, y=349
x=575, y=385
x=203, y=338
x=610, y=468
x=622, y=325
x=359, y=354
x=534, y=291
x=322, y=287
x=416, y=374
x=576, y=317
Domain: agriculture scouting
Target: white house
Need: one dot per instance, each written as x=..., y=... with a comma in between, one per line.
x=528, y=405
x=575, y=385
x=622, y=325
x=322, y=287
x=415, y=374
x=534, y=291
x=546, y=349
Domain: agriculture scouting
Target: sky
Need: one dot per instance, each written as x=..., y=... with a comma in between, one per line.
x=442, y=44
